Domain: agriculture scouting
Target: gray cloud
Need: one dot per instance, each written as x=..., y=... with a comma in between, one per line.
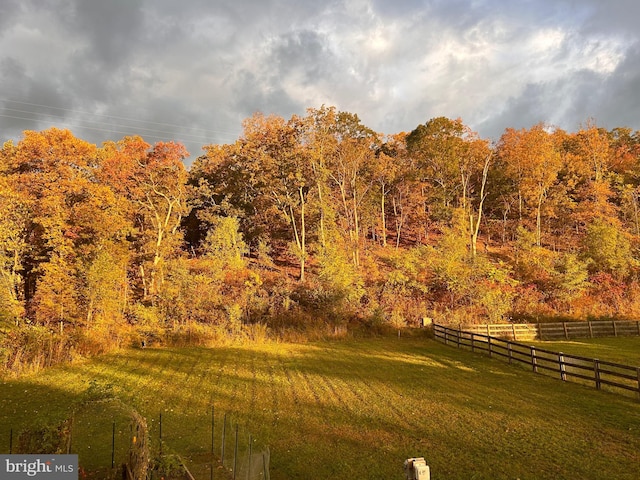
x=193, y=70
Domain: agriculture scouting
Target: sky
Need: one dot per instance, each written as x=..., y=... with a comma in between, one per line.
x=193, y=70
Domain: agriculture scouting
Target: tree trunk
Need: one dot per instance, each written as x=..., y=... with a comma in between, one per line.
x=539, y=220
x=303, y=241
x=475, y=228
x=384, y=220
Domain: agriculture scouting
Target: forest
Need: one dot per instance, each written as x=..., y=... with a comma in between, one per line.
x=313, y=225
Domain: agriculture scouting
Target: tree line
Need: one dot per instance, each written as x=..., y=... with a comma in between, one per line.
x=317, y=219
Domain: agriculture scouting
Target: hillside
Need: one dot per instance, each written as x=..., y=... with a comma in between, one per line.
x=307, y=226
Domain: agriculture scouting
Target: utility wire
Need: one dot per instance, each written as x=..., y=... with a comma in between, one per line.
x=164, y=138
x=133, y=127
x=204, y=130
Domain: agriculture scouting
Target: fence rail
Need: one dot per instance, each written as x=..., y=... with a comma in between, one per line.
x=566, y=367
x=557, y=331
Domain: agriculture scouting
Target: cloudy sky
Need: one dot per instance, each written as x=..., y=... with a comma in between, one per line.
x=192, y=70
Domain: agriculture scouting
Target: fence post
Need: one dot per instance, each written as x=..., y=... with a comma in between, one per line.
x=615, y=330
x=596, y=371
x=473, y=348
x=534, y=360
x=235, y=455
x=249, y=462
x=489, y=345
x=509, y=350
x=590, y=330
x=638, y=376
x=213, y=419
x=224, y=433
x=539, y=331
x=113, y=445
x=458, y=334
x=563, y=370
x=566, y=333
x=513, y=329
x=264, y=466
x=638, y=325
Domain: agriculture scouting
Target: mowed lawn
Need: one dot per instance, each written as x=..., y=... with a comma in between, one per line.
x=354, y=409
x=623, y=350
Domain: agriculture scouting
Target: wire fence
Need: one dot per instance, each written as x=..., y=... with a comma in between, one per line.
x=114, y=441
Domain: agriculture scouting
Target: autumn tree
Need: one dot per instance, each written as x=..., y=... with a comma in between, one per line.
x=153, y=181
x=14, y=227
x=531, y=160
x=455, y=161
x=73, y=218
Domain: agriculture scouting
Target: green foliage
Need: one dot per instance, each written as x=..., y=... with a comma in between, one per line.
x=98, y=391
x=43, y=438
x=169, y=465
x=106, y=286
x=341, y=282
x=224, y=244
x=607, y=249
x=570, y=277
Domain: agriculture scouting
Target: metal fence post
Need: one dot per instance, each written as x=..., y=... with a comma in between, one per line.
x=264, y=466
x=235, y=455
x=113, y=445
x=212, y=429
x=249, y=462
x=224, y=432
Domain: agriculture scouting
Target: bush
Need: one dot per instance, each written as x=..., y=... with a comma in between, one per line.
x=44, y=439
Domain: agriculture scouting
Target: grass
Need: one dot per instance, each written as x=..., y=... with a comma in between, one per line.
x=623, y=350
x=353, y=409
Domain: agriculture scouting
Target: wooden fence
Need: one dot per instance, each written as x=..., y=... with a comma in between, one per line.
x=566, y=367
x=556, y=331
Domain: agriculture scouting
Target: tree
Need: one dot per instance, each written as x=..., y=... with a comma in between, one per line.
x=532, y=162
x=14, y=227
x=455, y=162
x=607, y=249
x=342, y=153
x=72, y=218
x=153, y=181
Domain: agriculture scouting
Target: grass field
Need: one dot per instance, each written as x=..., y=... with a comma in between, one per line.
x=351, y=409
x=623, y=350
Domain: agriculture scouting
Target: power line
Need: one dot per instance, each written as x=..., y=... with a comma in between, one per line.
x=204, y=130
x=85, y=127
x=134, y=127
